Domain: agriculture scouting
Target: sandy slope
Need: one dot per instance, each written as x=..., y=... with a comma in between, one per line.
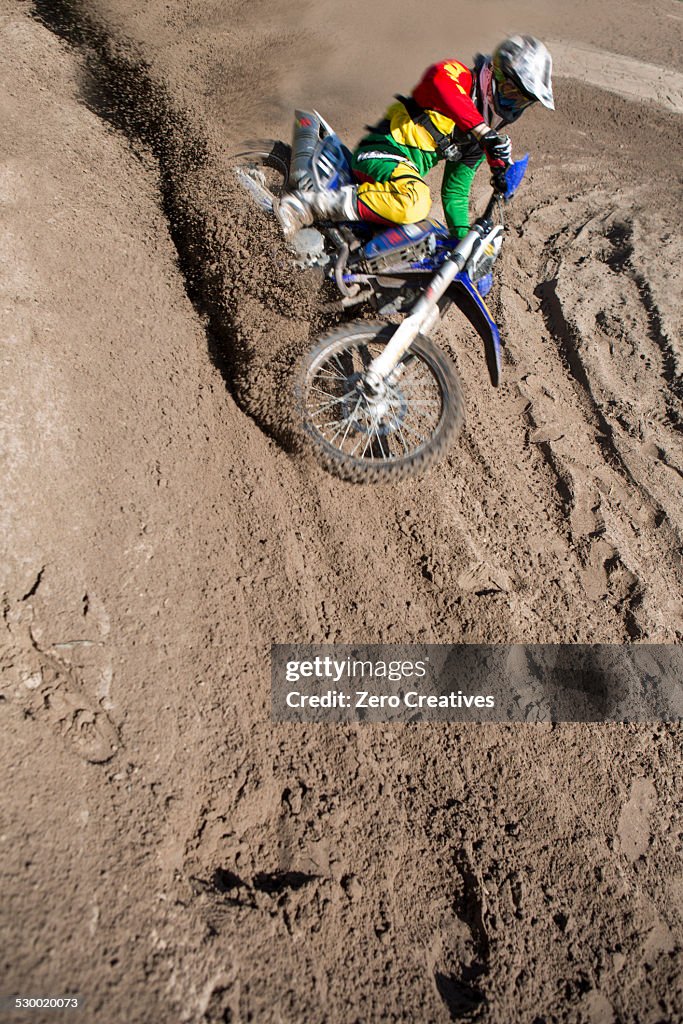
x=169, y=854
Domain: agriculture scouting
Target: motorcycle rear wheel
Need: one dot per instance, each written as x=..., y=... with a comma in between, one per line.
x=371, y=439
x=263, y=171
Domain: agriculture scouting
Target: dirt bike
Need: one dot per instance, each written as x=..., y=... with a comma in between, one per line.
x=380, y=401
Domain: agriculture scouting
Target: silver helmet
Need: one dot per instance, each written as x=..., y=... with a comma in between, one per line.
x=521, y=74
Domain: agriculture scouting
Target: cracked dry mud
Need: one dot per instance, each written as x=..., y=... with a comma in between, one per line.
x=167, y=852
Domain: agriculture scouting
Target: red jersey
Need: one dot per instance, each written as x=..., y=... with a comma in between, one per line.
x=447, y=89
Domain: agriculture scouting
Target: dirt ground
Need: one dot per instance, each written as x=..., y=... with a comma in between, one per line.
x=167, y=852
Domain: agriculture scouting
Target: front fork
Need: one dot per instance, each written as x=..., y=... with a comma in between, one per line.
x=425, y=314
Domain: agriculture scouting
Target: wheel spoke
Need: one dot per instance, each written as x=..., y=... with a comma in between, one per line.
x=412, y=376
x=356, y=446
x=328, y=394
x=328, y=405
x=367, y=443
x=406, y=449
x=330, y=373
x=336, y=359
x=379, y=441
x=413, y=431
x=332, y=423
x=350, y=421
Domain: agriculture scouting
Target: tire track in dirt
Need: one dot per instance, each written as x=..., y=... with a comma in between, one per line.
x=594, y=433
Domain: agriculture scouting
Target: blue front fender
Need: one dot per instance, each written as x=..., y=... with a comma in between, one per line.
x=469, y=301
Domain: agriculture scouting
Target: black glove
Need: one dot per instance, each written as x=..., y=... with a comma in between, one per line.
x=497, y=147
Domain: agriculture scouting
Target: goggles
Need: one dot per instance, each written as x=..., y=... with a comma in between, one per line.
x=509, y=99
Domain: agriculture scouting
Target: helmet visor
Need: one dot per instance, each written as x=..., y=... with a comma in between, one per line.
x=510, y=101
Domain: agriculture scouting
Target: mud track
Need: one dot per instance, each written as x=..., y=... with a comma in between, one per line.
x=171, y=854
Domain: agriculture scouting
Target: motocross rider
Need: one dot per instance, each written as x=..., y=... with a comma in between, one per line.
x=454, y=114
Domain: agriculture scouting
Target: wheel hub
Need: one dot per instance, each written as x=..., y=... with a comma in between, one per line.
x=370, y=412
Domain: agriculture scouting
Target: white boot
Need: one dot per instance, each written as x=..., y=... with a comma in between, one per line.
x=297, y=210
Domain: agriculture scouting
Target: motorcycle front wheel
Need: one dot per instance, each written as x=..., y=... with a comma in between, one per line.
x=368, y=437
x=263, y=171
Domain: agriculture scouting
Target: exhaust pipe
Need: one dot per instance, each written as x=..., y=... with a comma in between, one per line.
x=308, y=130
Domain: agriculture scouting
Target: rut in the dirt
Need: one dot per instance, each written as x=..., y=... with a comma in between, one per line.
x=216, y=265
